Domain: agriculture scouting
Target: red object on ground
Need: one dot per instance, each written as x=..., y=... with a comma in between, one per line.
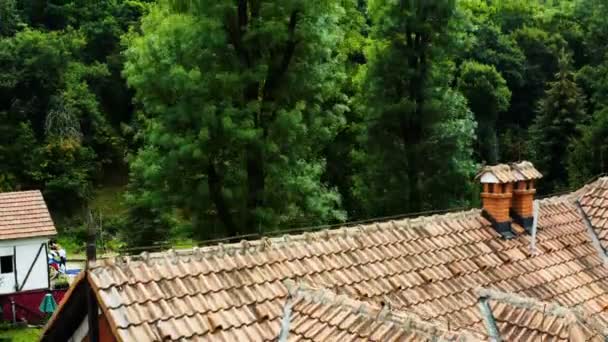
x=27, y=304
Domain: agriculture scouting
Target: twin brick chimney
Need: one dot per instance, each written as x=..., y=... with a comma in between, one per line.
x=508, y=195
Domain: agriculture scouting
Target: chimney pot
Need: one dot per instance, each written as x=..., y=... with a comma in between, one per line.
x=497, y=196
x=508, y=193
x=522, y=208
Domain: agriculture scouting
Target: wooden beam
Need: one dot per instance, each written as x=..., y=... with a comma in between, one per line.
x=32, y=266
x=48, y=274
x=15, y=268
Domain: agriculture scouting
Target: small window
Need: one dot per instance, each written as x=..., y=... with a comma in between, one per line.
x=6, y=264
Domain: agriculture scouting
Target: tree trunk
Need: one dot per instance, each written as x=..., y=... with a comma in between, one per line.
x=411, y=123
x=255, y=186
x=214, y=182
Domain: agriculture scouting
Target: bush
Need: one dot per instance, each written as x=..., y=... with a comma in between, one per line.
x=61, y=282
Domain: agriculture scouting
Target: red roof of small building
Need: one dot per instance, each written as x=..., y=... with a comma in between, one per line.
x=24, y=214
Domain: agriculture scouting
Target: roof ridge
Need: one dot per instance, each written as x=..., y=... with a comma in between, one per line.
x=572, y=314
x=588, y=187
x=286, y=240
x=20, y=193
x=384, y=314
x=352, y=229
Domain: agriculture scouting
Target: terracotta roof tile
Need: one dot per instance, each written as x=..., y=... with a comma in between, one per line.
x=428, y=266
x=321, y=315
x=594, y=202
x=507, y=173
x=24, y=214
x=502, y=172
x=525, y=319
x=525, y=170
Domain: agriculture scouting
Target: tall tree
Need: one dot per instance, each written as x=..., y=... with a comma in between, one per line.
x=240, y=99
x=592, y=16
x=46, y=98
x=10, y=18
x=559, y=112
x=404, y=88
x=588, y=156
x=488, y=96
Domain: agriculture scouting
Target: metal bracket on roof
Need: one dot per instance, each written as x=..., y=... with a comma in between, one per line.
x=489, y=320
x=594, y=239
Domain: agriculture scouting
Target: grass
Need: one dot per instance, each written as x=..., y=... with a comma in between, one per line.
x=72, y=246
x=20, y=335
x=107, y=202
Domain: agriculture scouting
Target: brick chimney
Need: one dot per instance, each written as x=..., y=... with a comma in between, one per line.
x=497, y=194
x=522, y=208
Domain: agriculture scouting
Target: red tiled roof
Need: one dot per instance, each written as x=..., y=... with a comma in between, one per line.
x=507, y=173
x=594, y=202
x=321, y=315
x=502, y=172
x=427, y=266
x=525, y=319
x=526, y=171
x=24, y=214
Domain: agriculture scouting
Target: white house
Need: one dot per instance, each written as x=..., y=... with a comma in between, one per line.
x=25, y=229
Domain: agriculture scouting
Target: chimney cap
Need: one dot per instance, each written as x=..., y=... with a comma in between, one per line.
x=507, y=173
x=500, y=173
x=525, y=170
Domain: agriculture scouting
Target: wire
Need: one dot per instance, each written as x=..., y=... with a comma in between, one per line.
x=261, y=234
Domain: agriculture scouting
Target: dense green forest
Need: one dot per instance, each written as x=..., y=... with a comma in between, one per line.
x=220, y=118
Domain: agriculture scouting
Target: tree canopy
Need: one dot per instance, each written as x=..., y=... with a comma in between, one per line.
x=231, y=117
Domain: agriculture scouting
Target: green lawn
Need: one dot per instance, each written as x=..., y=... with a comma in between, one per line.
x=20, y=335
x=107, y=201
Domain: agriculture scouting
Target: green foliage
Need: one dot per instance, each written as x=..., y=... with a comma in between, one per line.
x=239, y=116
x=594, y=80
x=21, y=334
x=560, y=111
x=59, y=159
x=589, y=153
x=236, y=115
x=410, y=135
x=492, y=47
x=64, y=171
x=10, y=19
x=514, y=15
x=488, y=96
x=57, y=131
x=542, y=51
x=592, y=16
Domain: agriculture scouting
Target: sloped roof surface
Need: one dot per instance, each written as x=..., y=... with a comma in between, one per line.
x=321, y=315
x=502, y=172
x=525, y=171
x=507, y=173
x=525, y=319
x=427, y=266
x=24, y=214
x=594, y=201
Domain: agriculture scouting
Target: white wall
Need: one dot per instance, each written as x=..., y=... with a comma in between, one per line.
x=82, y=330
x=26, y=250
